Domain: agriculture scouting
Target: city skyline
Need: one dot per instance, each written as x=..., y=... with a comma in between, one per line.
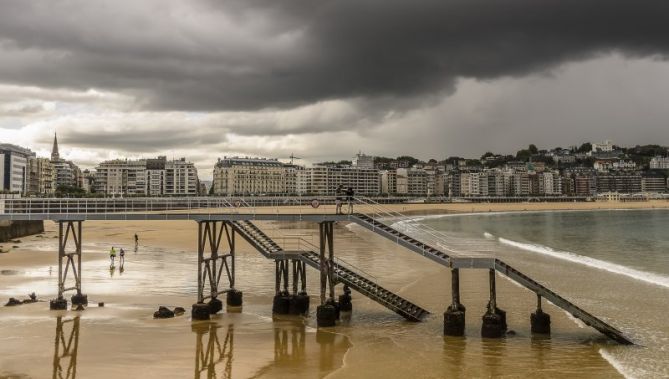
x=271, y=79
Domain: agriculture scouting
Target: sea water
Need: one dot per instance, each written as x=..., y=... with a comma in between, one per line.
x=613, y=263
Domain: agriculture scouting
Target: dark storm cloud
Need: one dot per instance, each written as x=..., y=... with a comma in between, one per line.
x=251, y=54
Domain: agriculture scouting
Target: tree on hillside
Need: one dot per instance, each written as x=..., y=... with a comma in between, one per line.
x=584, y=148
x=533, y=149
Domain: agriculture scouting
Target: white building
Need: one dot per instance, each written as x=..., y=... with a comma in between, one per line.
x=152, y=177
x=659, y=163
x=14, y=168
x=363, y=161
x=388, y=182
x=412, y=181
x=605, y=147
x=324, y=179
x=254, y=176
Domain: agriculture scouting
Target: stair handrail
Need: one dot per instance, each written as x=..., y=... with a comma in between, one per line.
x=439, y=237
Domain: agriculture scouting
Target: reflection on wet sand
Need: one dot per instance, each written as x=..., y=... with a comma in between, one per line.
x=296, y=354
x=289, y=349
x=66, y=347
x=209, y=353
x=454, y=354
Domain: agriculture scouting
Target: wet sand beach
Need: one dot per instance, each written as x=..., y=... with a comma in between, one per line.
x=122, y=338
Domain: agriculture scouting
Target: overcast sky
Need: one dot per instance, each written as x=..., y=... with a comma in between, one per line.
x=324, y=79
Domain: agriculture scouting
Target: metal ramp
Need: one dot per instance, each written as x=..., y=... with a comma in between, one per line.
x=561, y=302
x=356, y=280
x=444, y=259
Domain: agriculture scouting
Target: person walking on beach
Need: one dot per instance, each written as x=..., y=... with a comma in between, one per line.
x=349, y=198
x=112, y=256
x=136, y=241
x=121, y=257
x=339, y=192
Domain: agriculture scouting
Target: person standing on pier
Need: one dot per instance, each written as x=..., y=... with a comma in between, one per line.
x=339, y=192
x=112, y=256
x=349, y=198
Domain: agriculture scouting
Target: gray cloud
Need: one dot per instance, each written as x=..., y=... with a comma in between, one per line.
x=252, y=54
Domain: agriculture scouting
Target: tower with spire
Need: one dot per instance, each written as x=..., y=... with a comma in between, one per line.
x=55, y=156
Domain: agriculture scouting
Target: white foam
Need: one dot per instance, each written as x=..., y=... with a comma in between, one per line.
x=488, y=235
x=616, y=364
x=648, y=277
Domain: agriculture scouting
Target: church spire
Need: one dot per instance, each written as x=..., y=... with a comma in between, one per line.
x=54, y=151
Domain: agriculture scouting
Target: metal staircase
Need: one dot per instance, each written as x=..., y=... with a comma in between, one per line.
x=346, y=275
x=428, y=251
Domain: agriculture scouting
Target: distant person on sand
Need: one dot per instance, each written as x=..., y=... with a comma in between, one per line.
x=121, y=257
x=136, y=240
x=112, y=256
x=349, y=198
x=338, y=200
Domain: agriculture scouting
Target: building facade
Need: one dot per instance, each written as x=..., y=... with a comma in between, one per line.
x=14, y=168
x=254, y=176
x=323, y=180
x=146, y=177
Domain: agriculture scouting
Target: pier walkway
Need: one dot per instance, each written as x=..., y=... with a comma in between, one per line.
x=240, y=214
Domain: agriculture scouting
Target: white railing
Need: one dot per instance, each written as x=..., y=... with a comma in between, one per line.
x=409, y=225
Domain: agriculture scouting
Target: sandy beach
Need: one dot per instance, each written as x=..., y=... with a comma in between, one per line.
x=123, y=339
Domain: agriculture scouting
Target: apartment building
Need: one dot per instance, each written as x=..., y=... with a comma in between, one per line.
x=659, y=163
x=41, y=173
x=388, y=182
x=254, y=176
x=324, y=179
x=412, y=181
x=14, y=168
x=152, y=177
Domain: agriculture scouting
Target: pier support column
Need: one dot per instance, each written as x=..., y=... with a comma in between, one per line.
x=234, y=297
x=211, y=266
x=67, y=261
x=282, y=298
x=454, y=317
x=494, y=320
x=326, y=313
x=540, y=321
x=299, y=302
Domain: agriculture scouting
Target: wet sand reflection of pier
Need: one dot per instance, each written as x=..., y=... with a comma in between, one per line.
x=66, y=348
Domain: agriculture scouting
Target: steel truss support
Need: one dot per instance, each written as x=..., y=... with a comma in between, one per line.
x=210, y=352
x=211, y=263
x=65, y=350
x=69, y=262
x=287, y=269
x=326, y=233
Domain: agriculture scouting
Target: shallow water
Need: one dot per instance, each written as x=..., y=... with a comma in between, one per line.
x=122, y=338
x=615, y=263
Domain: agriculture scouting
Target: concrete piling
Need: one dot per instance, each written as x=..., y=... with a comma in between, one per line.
x=281, y=303
x=299, y=304
x=200, y=312
x=234, y=298
x=215, y=305
x=326, y=315
x=454, y=317
x=494, y=320
x=540, y=322
x=58, y=304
